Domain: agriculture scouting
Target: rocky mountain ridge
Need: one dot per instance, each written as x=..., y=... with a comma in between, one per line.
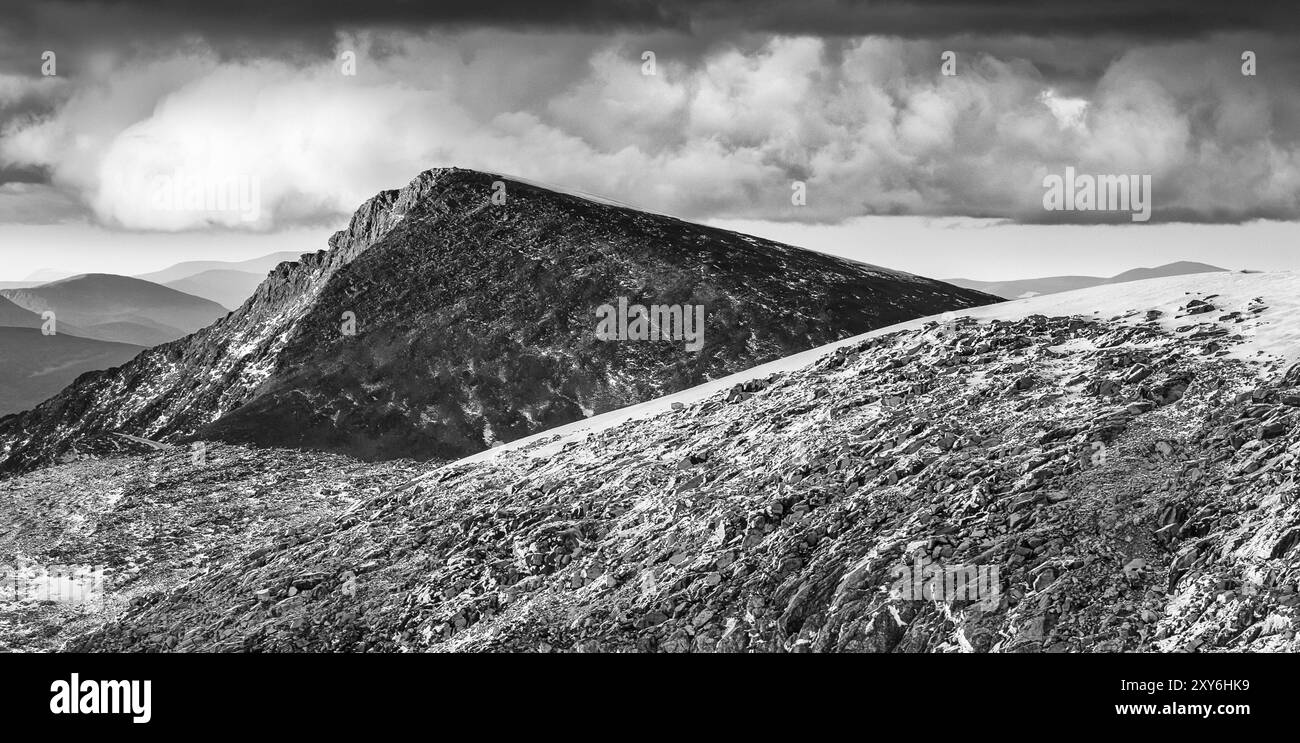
x=473, y=326
x=1129, y=472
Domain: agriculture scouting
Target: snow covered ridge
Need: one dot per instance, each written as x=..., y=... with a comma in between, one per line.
x=1127, y=472
x=1267, y=305
x=1263, y=308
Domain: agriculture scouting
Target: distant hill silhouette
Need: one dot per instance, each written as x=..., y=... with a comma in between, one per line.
x=34, y=367
x=1052, y=284
x=223, y=286
x=13, y=316
x=260, y=266
x=119, y=308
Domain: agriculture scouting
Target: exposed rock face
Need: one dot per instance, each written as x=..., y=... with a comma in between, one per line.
x=1133, y=484
x=181, y=385
x=474, y=325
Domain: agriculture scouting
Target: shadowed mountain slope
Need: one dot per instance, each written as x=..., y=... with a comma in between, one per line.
x=474, y=324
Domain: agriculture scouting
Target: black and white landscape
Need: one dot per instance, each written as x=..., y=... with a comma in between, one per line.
x=609, y=328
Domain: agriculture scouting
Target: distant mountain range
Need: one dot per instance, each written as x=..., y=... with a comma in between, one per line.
x=1021, y=288
x=227, y=283
x=13, y=316
x=225, y=287
x=103, y=320
x=259, y=266
x=46, y=275
x=34, y=366
x=35, y=278
x=119, y=308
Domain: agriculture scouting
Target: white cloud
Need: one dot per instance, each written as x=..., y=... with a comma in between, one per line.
x=873, y=128
x=1069, y=112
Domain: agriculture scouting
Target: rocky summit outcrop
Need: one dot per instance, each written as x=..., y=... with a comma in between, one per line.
x=1130, y=480
x=442, y=322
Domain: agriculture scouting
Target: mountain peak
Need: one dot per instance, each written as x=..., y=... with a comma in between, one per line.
x=442, y=322
x=381, y=212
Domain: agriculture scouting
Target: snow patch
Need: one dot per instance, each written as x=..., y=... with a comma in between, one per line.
x=1272, y=335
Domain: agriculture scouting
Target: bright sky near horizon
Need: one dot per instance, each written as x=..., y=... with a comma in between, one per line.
x=938, y=248
x=80, y=248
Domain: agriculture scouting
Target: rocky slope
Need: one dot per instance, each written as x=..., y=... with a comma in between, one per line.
x=1130, y=473
x=155, y=516
x=474, y=325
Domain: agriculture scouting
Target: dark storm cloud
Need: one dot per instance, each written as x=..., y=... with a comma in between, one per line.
x=289, y=27
x=307, y=19
x=23, y=174
x=750, y=96
x=931, y=18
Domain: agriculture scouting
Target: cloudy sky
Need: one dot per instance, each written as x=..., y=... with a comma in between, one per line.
x=903, y=165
